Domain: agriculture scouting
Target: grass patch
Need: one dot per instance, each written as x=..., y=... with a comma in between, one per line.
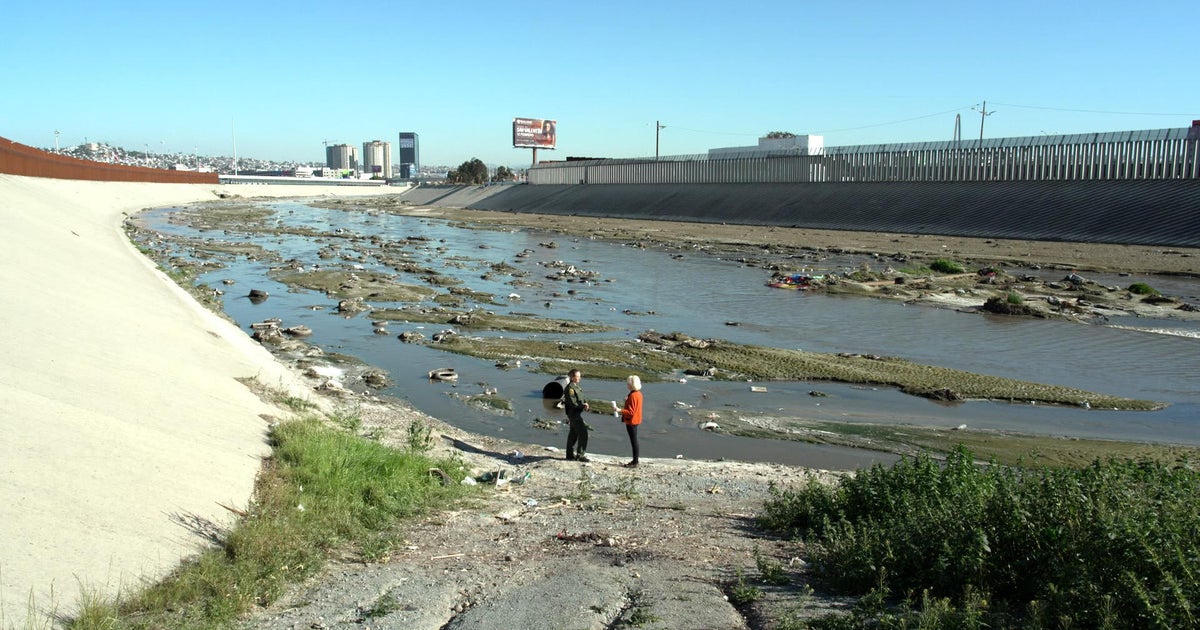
x=1141, y=288
x=663, y=356
x=945, y=265
x=323, y=489
x=1108, y=545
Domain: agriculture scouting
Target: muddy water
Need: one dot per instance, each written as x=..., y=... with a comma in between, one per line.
x=641, y=289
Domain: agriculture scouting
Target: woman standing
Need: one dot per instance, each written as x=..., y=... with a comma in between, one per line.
x=631, y=414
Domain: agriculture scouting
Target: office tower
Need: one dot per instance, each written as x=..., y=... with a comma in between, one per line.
x=410, y=155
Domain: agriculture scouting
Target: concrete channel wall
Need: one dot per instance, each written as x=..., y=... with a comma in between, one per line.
x=1161, y=212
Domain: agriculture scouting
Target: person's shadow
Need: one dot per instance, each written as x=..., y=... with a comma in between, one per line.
x=509, y=458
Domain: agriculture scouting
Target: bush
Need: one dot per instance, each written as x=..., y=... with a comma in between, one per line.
x=945, y=265
x=1110, y=544
x=1141, y=288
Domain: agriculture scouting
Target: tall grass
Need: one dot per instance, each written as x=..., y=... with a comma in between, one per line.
x=1114, y=544
x=322, y=489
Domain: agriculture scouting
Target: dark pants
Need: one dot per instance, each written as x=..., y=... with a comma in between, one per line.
x=631, y=429
x=578, y=433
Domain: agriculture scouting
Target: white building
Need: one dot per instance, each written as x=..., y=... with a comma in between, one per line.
x=377, y=159
x=795, y=145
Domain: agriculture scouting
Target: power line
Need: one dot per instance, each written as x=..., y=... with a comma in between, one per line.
x=1090, y=111
x=895, y=122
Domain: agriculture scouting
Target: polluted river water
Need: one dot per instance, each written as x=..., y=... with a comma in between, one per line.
x=635, y=289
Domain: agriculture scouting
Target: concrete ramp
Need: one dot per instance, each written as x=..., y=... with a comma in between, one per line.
x=453, y=196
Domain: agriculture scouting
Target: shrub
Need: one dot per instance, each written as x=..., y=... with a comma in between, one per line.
x=1109, y=545
x=1141, y=288
x=945, y=265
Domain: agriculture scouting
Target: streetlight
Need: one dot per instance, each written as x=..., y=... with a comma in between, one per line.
x=657, y=127
x=56, y=141
x=983, y=114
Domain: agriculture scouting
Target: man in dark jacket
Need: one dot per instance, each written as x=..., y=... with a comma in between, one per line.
x=575, y=406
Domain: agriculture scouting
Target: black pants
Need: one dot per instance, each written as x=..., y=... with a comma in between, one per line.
x=577, y=433
x=631, y=429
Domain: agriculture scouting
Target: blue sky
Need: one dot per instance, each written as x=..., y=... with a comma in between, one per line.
x=284, y=77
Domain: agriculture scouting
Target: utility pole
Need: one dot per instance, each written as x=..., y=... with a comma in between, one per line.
x=983, y=114
x=657, y=127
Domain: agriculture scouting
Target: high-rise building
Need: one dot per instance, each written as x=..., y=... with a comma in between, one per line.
x=410, y=155
x=341, y=156
x=377, y=158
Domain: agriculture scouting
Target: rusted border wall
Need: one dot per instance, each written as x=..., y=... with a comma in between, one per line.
x=18, y=159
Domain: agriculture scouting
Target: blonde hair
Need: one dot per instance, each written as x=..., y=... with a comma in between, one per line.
x=634, y=382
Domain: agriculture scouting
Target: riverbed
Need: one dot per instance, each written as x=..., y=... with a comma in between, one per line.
x=634, y=288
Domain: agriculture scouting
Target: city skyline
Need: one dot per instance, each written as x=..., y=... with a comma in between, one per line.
x=196, y=80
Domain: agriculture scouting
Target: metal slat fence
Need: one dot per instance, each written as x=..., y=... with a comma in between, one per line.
x=1153, y=154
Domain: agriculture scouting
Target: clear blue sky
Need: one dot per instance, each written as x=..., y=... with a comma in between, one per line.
x=283, y=77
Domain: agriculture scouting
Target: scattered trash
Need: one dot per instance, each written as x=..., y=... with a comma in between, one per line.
x=680, y=456
x=517, y=455
x=469, y=481
x=960, y=427
x=531, y=502
x=758, y=388
x=710, y=426
x=443, y=374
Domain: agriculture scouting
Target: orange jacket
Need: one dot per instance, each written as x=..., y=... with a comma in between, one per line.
x=632, y=412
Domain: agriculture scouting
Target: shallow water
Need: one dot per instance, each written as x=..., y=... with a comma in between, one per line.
x=700, y=295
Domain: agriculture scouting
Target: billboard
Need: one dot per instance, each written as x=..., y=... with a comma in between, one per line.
x=537, y=133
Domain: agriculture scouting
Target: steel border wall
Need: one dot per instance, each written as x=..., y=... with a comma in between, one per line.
x=19, y=159
x=1132, y=155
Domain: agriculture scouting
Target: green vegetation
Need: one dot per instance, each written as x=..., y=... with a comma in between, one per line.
x=662, y=356
x=322, y=489
x=1109, y=545
x=945, y=265
x=1014, y=298
x=473, y=171
x=1141, y=288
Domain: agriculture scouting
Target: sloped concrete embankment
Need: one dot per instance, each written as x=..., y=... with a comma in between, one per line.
x=1145, y=212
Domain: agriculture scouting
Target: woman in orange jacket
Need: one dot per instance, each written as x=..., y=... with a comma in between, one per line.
x=631, y=414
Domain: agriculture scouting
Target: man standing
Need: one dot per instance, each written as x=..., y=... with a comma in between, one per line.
x=573, y=402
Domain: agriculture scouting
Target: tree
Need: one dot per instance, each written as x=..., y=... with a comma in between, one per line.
x=775, y=135
x=503, y=174
x=473, y=171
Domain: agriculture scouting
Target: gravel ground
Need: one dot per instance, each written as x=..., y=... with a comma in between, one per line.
x=574, y=545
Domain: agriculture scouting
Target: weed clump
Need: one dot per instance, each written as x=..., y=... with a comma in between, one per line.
x=1141, y=288
x=945, y=265
x=1111, y=544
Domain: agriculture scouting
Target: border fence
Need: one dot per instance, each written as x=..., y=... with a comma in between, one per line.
x=1123, y=155
x=19, y=159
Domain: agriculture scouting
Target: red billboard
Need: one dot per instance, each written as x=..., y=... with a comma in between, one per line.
x=537, y=133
